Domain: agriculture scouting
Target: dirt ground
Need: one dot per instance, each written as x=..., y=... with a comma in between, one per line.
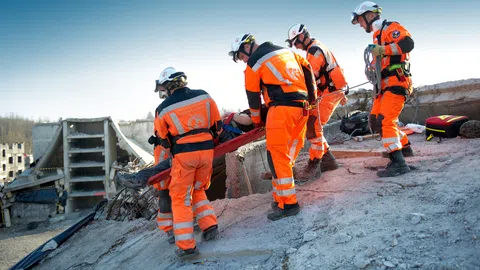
x=350, y=219
x=17, y=241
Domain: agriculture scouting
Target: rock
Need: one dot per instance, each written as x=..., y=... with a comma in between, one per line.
x=361, y=263
x=342, y=238
x=417, y=265
x=361, y=234
x=394, y=242
x=415, y=218
x=291, y=250
x=51, y=245
x=371, y=251
x=421, y=236
x=388, y=264
x=309, y=236
x=402, y=266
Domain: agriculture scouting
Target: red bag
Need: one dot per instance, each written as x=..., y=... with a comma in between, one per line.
x=446, y=126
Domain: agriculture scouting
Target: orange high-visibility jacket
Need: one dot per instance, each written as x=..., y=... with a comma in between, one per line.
x=159, y=152
x=328, y=73
x=282, y=76
x=398, y=43
x=187, y=121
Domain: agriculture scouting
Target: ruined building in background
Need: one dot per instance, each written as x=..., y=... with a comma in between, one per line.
x=74, y=168
x=13, y=160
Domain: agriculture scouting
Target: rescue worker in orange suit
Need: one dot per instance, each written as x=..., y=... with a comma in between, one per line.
x=287, y=85
x=164, y=216
x=329, y=79
x=392, y=43
x=187, y=122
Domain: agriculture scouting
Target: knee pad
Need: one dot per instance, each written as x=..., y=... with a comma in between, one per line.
x=372, y=121
x=311, y=127
x=378, y=125
x=270, y=164
x=165, y=201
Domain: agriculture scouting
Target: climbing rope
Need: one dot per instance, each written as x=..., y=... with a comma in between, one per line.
x=373, y=72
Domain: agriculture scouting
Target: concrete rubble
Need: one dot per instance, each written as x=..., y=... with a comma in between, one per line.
x=350, y=219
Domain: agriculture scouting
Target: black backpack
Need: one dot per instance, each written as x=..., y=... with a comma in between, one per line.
x=355, y=123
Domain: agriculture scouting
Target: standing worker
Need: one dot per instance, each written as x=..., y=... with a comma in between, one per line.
x=330, y=79
x=187, y=121
x=286, y=82
x=164, y=216
x=392, y=45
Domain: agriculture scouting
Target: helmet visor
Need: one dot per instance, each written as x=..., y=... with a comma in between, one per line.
x=234, y=55
x=291, y=42
x=158, y=87
x=354, y=18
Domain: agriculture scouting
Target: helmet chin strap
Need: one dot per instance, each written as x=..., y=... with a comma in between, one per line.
x=302, y=42
x=369, y=23
x=242, y=50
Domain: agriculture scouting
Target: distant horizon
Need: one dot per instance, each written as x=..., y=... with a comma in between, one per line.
x=87, y=59
x=46, y=120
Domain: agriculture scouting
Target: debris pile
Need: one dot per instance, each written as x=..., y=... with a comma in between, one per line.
x=130, y=204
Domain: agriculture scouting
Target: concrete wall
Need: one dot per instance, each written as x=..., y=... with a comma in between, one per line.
x=254, y=156
x=460, y=97
x=12, y=161
x=255, y=161
x=139, y=131
x=42, y=134
x=455, y=98
x=22, y=213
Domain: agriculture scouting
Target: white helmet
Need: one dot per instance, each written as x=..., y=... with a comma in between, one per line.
x=363, y=8
x=167, y=75
x=293, y=32
x=237, y=45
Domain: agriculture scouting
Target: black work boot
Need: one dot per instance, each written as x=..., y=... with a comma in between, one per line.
x=184, y=254
x=279, y=213
x=396, y=166
x=274, y=205
x=210, y=233
x=312, y=170
x=328, y=162
x=171, y=237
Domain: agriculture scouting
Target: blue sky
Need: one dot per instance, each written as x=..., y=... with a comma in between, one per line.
x=101, y=58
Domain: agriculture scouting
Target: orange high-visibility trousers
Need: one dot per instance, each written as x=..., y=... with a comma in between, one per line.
x=285, y=133
x=191, y=172
x=384, y=118
x=325, y=108
x=164, y=216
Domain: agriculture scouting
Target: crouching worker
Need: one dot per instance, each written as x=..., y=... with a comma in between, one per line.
x=188, y=120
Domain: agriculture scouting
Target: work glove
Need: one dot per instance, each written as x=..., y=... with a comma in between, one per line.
x=344, y=100
x=377, y=50
x=153, y=140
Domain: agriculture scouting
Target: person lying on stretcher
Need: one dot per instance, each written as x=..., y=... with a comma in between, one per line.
x=234, y=124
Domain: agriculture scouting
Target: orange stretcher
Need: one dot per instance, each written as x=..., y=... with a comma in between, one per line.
x=219, y=150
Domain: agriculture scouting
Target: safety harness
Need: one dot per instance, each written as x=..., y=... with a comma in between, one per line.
x=401, y=69
x=324, y=72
